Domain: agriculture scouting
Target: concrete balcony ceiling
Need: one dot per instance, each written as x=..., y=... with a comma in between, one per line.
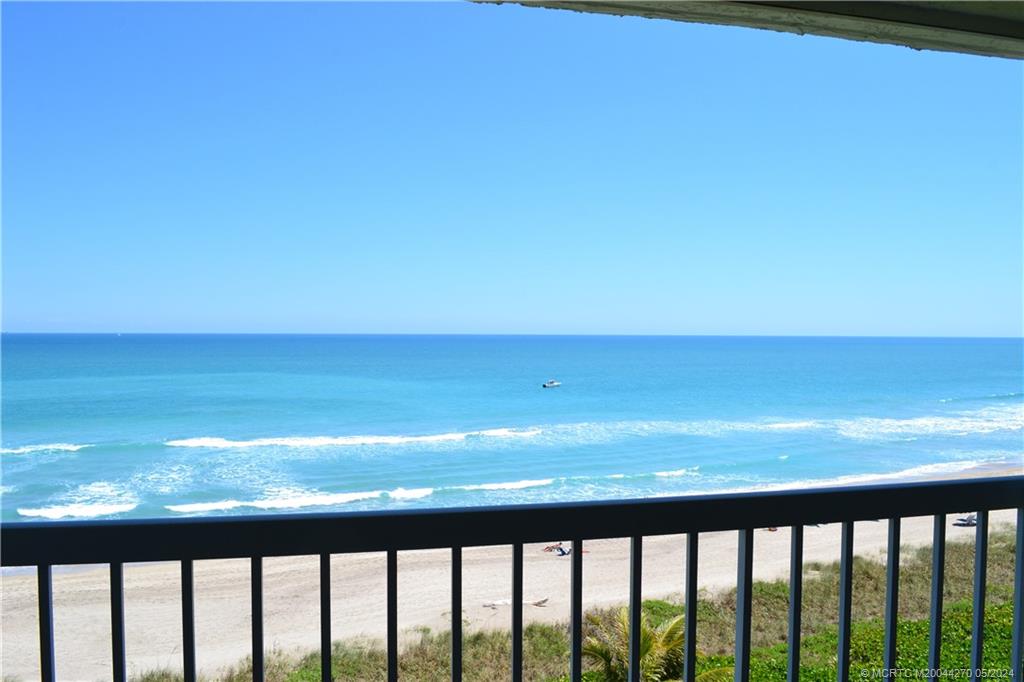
x=985, y=28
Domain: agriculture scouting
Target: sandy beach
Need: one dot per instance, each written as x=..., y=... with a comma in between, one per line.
x=152, y=612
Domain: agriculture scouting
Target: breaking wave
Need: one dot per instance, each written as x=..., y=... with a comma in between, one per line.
x=983, y=421
x=45, y=447
x=691, y=471
x=78, y=511
x=514, y=485
x=702, y=484
x=922, y=472
x=410, y=494
x=987, y=420
x=295, y=501
x=298, y=499
x=328, y=441
x=101, y=498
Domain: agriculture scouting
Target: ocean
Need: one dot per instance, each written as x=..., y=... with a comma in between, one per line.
x=135, y=426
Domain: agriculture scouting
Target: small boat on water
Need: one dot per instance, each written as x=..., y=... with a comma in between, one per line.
x=551, y=383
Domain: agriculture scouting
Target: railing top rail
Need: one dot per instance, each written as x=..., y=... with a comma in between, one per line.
x=83, y=542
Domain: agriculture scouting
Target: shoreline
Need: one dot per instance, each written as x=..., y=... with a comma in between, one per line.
x=935, y=471
x=291, y=593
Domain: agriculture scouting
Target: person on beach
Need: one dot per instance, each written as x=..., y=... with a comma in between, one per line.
x=558, y=549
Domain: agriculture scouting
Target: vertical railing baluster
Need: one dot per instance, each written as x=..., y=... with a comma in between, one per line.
x=796, y=592
x=980, y=567
x=576, y=613
x=1017, y=656
x=456, y=614
x=392, y=643
x=119, y=666
x=188, y=622
x=517, y=612
x=47, y=663
x=636, y=562
x=690, y=650
x=256, y=587
x=845, y=600
x=325, y=617
x=744, y=585
x=938, y=574
x=892, y=593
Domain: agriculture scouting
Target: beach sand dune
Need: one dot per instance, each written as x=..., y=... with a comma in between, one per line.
x=291, y=606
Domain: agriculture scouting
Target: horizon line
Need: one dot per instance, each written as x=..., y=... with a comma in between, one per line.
x=508, y=334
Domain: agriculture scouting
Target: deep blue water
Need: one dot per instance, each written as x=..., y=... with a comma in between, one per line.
x=166, y=425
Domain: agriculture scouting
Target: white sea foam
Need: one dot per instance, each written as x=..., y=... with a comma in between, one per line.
x=289, y=500
x=410, y=493
x=791, y=426
x=200, y=507
x=314, y=500
x=691, y=471
x=987, y=420
x=580, y=433
x=100, y=498
x=507, y=433
x=164, y=480
x=77, y=510
x=924, y=471
x=334, y=441
x=596, y=433
x=45, y=447
x=513, y=485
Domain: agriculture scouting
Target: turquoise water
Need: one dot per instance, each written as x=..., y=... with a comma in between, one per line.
x=107, y=426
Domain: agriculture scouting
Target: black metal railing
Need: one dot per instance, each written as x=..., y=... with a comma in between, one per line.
x=45, y=545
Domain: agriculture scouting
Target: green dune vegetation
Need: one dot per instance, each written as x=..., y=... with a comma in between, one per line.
x=546, y=648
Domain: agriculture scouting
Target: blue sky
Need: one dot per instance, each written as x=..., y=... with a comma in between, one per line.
x=458, y=168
